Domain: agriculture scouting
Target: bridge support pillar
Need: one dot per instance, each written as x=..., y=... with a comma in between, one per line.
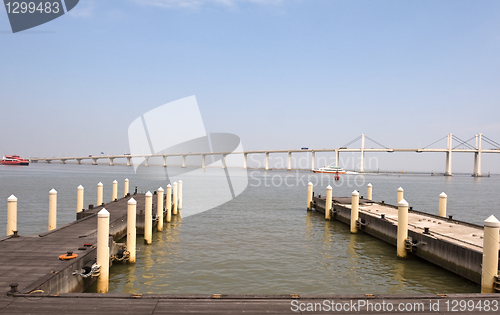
x=63, y=161
x=313, y=158
x=477, y=156
x=164, y=161
x=203, y=166
x=447, y=171
x=183, y=161
x=94, y=161
x=78, y=161
x=224, y=166
x=111, y=161
x=128, y=161
x=245, y=159
x=337, y=158
x=146, y=161
x=362, y=162
x=289, y=161
x=267, y=161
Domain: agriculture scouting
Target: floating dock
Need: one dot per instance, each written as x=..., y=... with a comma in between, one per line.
x=451, y=244
x=33, y=261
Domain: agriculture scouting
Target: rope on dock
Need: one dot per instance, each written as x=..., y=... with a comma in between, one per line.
x=122, y=255
x=93, y=271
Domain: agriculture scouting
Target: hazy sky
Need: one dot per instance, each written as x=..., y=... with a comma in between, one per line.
x=278, y=73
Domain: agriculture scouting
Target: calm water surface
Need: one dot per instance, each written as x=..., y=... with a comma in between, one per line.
x=263, y=241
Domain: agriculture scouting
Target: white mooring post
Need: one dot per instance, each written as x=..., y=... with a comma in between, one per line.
x=131, y=229
x=309, y=195
x=148, y=218
x=126, y=187
x=169, y=203
x=11, y=215
x=99, y=194
x=175, y=193
x=369, y=191
x=354, y=211
x=490, y=254
x=114, y=195
x=328, y=203
x=52, y=209
x=79, y=199
x=103, y=250
x=443, y=200
x=159, y=209
x=180, y=195
x=399, y=195
x=402, y=228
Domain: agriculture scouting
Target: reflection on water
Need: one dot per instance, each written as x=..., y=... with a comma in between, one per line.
x=263, y=241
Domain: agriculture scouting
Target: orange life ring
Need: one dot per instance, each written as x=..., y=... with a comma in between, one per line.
x=68, y=256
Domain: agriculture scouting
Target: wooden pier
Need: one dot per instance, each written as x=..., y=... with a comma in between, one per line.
x=48, y=285
x=150, y=304
x=451, y=244
x=33, y=261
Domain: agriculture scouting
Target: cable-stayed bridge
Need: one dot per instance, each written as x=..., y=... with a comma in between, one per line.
x=461, y=146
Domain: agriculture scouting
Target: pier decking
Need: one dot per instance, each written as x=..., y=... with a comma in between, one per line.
x=451, y=244
x=33, y=261
x=124, y=304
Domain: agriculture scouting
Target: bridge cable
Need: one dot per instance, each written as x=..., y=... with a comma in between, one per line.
x=494, y=143
x=463, y=142
x=435, y=142
x=383, y=146
x=351, y=142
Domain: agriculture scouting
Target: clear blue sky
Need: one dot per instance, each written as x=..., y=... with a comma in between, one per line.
x=279, y=74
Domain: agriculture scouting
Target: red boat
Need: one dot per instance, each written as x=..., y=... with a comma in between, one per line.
x=14, y=160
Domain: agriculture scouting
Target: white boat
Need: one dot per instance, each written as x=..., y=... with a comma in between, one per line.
x=330, y=169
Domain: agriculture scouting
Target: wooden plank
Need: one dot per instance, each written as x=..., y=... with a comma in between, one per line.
x=124, y=304
x=26, y=259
